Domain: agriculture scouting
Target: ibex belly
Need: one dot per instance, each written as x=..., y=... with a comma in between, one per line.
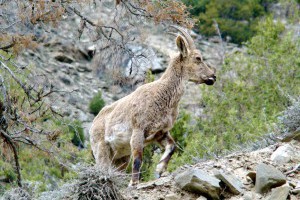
x=118, y=137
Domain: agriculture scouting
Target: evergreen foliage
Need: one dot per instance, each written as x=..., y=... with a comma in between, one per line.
x=235, y=18
x=253, y=88
x=77, y=133
x=96, y=103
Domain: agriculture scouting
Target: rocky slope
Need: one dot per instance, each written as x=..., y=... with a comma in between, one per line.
x=70, y=66
x=271, y=173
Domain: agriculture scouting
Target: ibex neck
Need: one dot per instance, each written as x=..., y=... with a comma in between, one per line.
x=173, y=81
x=175, y=70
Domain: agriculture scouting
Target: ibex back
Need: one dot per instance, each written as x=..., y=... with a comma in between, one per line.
x=122, y=130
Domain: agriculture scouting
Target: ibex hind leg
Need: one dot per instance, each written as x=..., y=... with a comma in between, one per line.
x=101, y=150
x=168, y=143
x=137, y=145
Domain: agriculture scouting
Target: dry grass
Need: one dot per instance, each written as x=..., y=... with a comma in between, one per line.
x=16, y=194
x=93, y=183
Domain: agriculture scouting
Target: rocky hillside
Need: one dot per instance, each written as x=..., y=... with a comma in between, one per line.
x=72, y=66
x=271, y=173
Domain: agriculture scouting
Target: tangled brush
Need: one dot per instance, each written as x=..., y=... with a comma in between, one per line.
x=99, y=184
x=16, y=194
x=93, y=183
x=291, y=116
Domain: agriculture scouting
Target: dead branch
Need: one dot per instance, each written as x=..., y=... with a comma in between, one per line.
x=10, y=142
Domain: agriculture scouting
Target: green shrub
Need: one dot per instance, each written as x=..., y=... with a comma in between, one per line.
x=235, y=18
x=252, y=90
x=182, y=129
x=77, y=133
x=149, y=76
x=8, y=171
x=96, y=104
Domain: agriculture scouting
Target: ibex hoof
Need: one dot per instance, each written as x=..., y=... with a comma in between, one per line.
x=157, y=175
x=132, y=184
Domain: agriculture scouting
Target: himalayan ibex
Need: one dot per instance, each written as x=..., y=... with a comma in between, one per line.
x=124, y=128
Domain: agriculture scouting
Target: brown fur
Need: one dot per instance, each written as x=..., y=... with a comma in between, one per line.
x=147, y=114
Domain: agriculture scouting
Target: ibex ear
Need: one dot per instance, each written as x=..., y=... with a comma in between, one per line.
x=181, y=44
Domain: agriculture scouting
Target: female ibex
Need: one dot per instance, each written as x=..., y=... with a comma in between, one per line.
x=125, y=127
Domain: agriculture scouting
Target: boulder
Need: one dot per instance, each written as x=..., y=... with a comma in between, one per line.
x=230, y=180
x=198, y=181
x=296, y=191
x=65, y=80
x=252, y=176
x=61, y=57
x=172, y=196
x=249, y=195
x=158, y=182
x=84, y=68
x=268, y=177
x=297, y=188
x=283, y=154
x=201, y=198
x=280, y=193
x=292, y=136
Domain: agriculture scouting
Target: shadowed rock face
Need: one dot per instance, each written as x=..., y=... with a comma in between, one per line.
x=280, y=193
x=197, y=181
x=268, y=177
x=230, y=180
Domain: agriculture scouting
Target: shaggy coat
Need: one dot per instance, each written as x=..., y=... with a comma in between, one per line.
x=122, y=129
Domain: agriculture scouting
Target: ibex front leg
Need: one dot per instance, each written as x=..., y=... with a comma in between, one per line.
x=137, y=145
x=168, y=143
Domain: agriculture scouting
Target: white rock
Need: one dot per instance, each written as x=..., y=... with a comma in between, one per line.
x=172, y=196
x=283, y=154
x=280, y=193
x=201, y=198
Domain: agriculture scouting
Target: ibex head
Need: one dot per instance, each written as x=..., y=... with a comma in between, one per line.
x=196, y=69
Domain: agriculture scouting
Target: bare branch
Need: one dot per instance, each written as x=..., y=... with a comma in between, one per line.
x=16, y=157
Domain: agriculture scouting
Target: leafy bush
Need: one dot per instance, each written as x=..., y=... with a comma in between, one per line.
x=182, y=129
x=96, y=104
x=7, y=171
x=149, y=76
x=45, y=170
x=253, y=88
x=77, y=133
x=235, y=18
